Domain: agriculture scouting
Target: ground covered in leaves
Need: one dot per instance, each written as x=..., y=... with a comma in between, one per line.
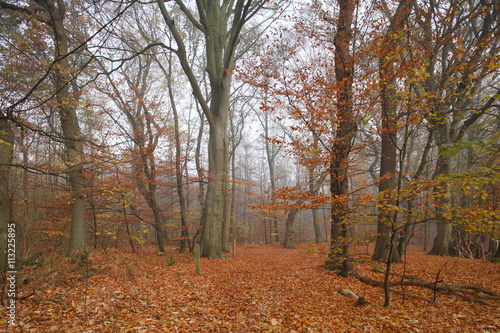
x=265, y=288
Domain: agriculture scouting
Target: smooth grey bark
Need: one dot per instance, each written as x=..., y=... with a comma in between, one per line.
x=199, y=169
x=221, y=24
x=6, y=157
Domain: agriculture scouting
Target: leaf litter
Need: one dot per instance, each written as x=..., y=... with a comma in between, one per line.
x=266, y=288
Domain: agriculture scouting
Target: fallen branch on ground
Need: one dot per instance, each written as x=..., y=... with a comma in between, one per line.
x=467, y=292
x=359, y=300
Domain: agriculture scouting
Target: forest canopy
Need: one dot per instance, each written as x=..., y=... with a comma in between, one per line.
x=125, y=124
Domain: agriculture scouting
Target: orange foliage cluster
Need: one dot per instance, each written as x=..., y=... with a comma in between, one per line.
x=264, y=289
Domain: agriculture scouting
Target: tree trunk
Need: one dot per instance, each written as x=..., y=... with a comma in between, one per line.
x=211, y=239
x=288, y=243
x=387, y=217
x=145, y=178
x=496, y=256
x=292, y=213
x=221, y=25
x=197, y=159
x=127, y=228
x=271, y=157
x=232, y=207
x=409, y=226
x=158, y=224
x=236, y=130
x=185, y=244
x=339, y=257
x=317, y=229
x=70, y=127
x=442, y=198
x=6, y=156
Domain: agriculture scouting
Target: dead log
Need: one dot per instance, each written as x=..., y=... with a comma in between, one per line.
x=470, y=293
x=360, y=300
x=347, y=293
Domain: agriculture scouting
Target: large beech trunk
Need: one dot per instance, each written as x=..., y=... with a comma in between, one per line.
x=214, y=218
x=221, y=25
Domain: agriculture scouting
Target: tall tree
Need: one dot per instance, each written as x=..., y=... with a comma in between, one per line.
x=146, y=130
x=346, y=127
x=221, y=23
x=387, y=183
x=185, y=243
x=271, y=153
x=66, y=107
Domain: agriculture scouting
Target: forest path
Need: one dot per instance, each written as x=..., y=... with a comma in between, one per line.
x=266, y=288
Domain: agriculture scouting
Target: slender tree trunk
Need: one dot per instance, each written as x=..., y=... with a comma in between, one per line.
x=292, y=213
x=409, y=227
x=125, y=218
x=185, y=244
x=6, y=157
x=94, y=222
x=236, y=137
x=273, y=223
x=317, y=228
x=158, y=224
x=197, y=160
x=232, y=208
x=145, y=177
